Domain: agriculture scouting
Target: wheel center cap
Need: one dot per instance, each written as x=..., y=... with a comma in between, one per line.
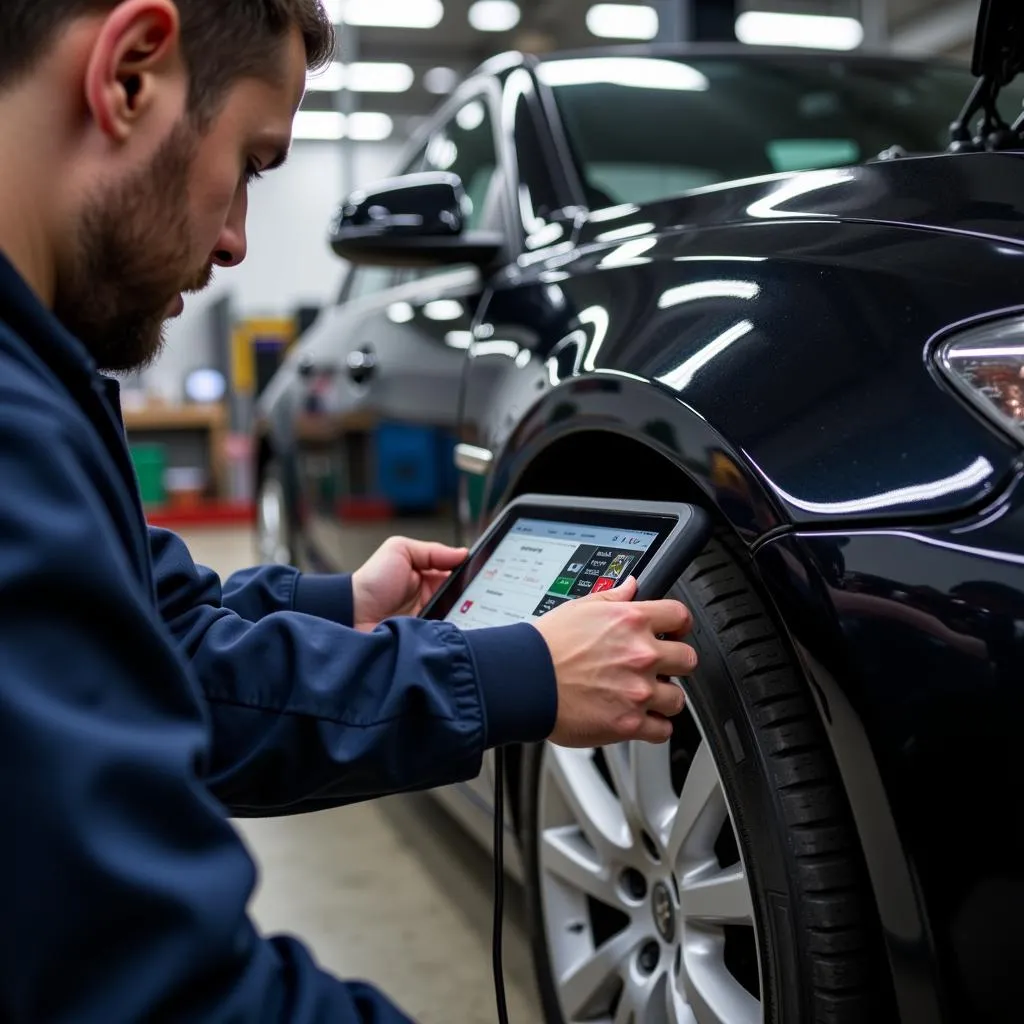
x=664, y=912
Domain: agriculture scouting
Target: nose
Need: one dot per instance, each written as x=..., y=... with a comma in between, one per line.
x=232, y=243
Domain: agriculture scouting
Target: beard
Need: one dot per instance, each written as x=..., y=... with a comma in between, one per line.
x=131, y=258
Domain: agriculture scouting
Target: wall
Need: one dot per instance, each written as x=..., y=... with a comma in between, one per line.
x=289, y=262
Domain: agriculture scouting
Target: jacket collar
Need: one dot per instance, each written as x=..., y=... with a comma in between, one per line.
x=22, y=309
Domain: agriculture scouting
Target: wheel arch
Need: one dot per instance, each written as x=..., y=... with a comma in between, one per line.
x=564, y=465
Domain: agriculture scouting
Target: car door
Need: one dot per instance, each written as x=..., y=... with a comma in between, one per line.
x=526, y=321
x=389, y=357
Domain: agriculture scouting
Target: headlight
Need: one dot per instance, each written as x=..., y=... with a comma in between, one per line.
x=987, y=366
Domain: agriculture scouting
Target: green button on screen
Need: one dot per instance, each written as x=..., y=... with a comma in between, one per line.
x=562, y=585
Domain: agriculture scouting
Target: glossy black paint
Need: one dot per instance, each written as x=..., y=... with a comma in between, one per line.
x=763, y=349
x=416, y=220
x=914, y=641
x=800, y=346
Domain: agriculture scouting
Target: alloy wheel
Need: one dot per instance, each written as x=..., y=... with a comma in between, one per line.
x=647, y=906
x=272, y=524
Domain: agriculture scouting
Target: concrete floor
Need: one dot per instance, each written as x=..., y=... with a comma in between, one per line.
x=392, y=892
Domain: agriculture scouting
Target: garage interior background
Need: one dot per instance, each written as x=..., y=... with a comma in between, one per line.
x=397, y=60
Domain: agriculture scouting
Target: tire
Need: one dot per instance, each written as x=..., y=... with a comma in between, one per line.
x=275, y=535
x=799, y=942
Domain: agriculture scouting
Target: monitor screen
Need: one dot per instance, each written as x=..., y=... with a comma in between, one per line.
x=539, y=564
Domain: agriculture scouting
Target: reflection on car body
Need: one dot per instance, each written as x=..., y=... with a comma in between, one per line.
x=685, y=276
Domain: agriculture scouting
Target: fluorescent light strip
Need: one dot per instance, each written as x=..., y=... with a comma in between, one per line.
x=818, y=31
x=494, y=15
x=386, y=13
x=363, y=77
x=318, y=125
x=330, y=126
x=622, y=21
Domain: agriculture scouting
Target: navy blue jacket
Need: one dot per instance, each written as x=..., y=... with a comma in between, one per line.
x=143, y=703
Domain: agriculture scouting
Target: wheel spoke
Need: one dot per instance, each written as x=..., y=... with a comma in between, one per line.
x=586, y=979
x=596, y=809
x=701, y=811
x=715, y=996
x=563, y=855
x=722, y=897
x=625, y=1012
x=678, y=1009
x=642, y=774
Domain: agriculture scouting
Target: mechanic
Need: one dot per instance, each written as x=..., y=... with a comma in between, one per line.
x=142, y=702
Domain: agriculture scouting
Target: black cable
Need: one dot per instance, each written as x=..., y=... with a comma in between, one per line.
x=499, y=882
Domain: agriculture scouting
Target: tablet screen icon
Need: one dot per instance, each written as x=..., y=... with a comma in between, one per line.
x=466, y=605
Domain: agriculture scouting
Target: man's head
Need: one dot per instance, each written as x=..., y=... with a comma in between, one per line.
x=132, y=129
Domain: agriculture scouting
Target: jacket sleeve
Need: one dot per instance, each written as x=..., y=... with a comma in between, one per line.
x=255, y=593
x=123, y=886
x=308, y=714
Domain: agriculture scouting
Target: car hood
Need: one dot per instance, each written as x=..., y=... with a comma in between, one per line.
x=975, y=193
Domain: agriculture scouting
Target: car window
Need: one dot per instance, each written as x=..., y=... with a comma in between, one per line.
x=368, y=280
x=465, y=146
x=644, y=128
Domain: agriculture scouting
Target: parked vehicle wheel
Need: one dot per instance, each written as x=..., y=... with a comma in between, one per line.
x=715, y=878
x=275, y=538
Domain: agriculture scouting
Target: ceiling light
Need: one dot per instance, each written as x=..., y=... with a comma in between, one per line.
x=366, y=126
x=379, y=77
x=494, y=15
x=768, y=28
x=638, y=72
x=370, y=77
x=319, y=124
x=392, y=13
x=622, y=21
x=331, y=79
x=440, y=81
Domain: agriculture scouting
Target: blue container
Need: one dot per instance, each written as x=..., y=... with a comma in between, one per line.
x=407, y=466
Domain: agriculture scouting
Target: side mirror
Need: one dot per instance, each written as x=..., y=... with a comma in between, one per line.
x=418, y=220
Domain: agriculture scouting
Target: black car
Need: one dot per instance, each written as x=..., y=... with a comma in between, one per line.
x=765, y=284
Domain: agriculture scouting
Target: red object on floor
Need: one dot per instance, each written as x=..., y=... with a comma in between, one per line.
x=364, y=510
x=211, y=513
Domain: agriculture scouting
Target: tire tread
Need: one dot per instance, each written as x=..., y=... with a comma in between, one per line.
x=841, y=936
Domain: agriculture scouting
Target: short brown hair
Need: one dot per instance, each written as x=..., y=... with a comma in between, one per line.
x=222, y=40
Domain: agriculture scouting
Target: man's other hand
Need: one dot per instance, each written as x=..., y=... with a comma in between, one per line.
x=400, y=579
x=611, y=667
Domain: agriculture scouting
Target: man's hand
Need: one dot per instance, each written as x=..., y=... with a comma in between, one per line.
x=610, y=666
x=400, y=579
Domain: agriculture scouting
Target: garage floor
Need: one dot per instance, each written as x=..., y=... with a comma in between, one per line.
x=392, y=892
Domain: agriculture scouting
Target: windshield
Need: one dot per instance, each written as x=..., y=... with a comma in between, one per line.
x=643, y=128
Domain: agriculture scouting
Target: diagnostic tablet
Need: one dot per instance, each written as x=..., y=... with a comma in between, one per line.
x=542, y=551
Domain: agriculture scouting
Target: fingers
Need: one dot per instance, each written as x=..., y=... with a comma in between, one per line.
x=625, y=591
x=669, y=617
x=668, y=700
x=675, y=658
x=654, y=729
x=426, y=555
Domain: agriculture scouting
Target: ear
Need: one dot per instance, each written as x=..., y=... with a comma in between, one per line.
x=136, y=58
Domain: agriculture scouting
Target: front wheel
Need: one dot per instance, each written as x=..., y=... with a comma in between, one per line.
x=715, y=879
x=274, y=533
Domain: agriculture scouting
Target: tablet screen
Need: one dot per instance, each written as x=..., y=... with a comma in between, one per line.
x=538, y=564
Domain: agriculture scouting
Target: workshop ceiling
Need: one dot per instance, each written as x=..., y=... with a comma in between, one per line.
x=453, y=39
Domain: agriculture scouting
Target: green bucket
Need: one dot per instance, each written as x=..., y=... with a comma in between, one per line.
x=150, y=461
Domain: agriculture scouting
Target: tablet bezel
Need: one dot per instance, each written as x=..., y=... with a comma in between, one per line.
x=653, y=574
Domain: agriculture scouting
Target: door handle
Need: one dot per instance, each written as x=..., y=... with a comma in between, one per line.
x=473, y=460
x=362, y=364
